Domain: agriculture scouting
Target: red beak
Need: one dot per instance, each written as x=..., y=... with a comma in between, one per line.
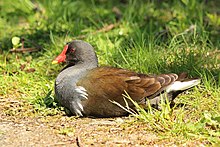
x=61, y=57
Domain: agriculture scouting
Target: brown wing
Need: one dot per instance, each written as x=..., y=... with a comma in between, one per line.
x=106, y=83
x=112, y=82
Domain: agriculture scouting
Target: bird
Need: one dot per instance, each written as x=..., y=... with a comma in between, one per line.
x=86, y=89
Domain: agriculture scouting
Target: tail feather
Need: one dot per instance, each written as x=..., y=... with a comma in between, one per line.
x=182, y=85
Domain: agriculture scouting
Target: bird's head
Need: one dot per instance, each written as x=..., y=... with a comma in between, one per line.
x=69, y=54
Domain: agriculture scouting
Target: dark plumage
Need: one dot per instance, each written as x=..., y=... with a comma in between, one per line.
x=86, y=89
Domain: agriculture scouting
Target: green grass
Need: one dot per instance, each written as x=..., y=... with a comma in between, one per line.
x=150, y=37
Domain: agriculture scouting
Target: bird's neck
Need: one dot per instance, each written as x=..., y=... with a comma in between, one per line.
x=87, y=61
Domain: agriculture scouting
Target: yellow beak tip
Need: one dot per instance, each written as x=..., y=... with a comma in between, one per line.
x=55, y=62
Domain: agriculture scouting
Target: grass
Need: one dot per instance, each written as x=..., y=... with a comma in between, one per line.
x=149, y=37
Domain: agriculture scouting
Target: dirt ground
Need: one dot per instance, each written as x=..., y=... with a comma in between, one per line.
x=20, y=126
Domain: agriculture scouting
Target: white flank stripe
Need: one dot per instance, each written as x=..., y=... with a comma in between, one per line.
x=78, y=112
x=80, y=106
x=81, y=88
x=81, y=91
x=84, y=96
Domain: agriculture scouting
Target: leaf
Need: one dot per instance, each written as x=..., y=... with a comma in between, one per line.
x=216, y=119
x=49, y=100
x=15, y=41
x=185, y=2
x=214, y=19
x=210, y=120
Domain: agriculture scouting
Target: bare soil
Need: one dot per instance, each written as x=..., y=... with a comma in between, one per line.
x=20, y=126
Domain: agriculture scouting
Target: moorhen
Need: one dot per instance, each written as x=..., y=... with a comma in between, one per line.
x=88, y=90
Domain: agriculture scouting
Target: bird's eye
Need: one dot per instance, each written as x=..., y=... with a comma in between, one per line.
x=72, y=50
